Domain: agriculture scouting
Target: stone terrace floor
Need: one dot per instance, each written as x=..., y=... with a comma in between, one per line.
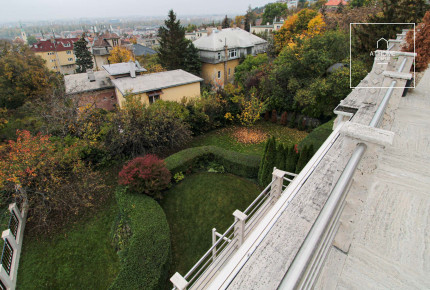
x=384, y=238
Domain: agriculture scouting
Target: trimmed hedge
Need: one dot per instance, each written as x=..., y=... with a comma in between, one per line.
x=146, y=260
x=236, y=163
x=318, y=136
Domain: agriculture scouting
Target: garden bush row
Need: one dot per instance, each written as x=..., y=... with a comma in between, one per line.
x=145, y=259
x=240, y=164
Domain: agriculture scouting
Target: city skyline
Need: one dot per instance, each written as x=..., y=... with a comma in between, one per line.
x=39, y=10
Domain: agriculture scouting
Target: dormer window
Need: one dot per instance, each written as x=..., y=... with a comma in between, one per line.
x=66, y=44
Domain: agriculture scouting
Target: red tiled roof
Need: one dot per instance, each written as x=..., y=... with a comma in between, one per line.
x=335, y=2
x=48, y=45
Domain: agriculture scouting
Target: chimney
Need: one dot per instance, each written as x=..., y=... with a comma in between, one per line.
x=132, y=69
x=209, y=31
x=91, y=75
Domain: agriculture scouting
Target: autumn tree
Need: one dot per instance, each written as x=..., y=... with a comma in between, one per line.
x=251, y=109
x=23, y=75
x=274, y=10
x=84, y=60
x=305, y=23
x=120, y=54
x=138, y=130
x=421, y=44
x=54, y=180
x=392, y=11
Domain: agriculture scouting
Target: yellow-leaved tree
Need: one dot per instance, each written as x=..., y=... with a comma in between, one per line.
x=306, y=23
x=120, y=54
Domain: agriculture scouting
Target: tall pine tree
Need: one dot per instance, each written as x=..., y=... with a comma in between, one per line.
x=269, y=163
x=84, y=60
x=192, y=62
x=175, y=51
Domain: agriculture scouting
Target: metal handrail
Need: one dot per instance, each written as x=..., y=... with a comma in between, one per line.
x=321, y=229
x=209, y=251
x=258, y=197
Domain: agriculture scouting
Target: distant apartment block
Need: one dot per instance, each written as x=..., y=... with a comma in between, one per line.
x=196, y=34
x=268, y=28
x=220, y=51
x=58, y=54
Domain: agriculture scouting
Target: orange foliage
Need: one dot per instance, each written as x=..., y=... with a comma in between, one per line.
x=249, y=136
x=306, y=23
x=120, y=54
x=422, y=43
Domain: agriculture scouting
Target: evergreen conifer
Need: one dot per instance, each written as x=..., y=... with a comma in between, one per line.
x=84, y=60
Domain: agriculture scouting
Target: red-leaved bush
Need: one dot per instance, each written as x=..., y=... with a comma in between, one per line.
x=147, y=175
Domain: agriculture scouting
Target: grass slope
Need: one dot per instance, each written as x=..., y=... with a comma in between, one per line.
x=224, y=138
x=199, y=203
x=80, y=257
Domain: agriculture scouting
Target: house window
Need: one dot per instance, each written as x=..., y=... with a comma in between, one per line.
x=219, y=74
x=52, y=60
x=219, y=55
x=115, y=42
x=70, y=59
x=69, y=52
x=232, y=53
x=153, y=98
x=229, y=71
x=66, y=44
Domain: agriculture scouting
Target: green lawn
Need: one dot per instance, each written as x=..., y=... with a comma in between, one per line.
x=80, y=257
x=200, y=202
x=224, y=138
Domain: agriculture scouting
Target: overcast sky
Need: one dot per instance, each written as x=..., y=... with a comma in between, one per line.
x=22, y=10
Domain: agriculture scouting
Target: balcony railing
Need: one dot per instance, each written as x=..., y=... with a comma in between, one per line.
x=225, y=245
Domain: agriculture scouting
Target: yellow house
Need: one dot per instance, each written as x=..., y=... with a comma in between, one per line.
x=168, y=86
x=58, y=54
x=221, y=50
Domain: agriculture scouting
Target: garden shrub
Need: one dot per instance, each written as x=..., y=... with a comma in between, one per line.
x=284, y=119
x=318, y=136
x=292, y=122
x=237, y=163
x=301, y=123
x=146, y=260
x=268, y=162
x=147, y=175
x=274, y=117
x=266, y=116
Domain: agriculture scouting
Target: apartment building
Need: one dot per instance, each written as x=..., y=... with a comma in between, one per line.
x=58, y=54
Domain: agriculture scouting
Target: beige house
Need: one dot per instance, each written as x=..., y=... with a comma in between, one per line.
x=168, y=86
x=221, y=50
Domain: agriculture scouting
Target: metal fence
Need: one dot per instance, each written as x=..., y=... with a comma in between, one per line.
x=225, y=245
